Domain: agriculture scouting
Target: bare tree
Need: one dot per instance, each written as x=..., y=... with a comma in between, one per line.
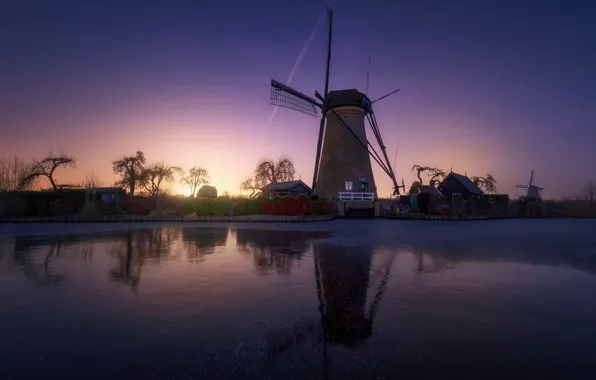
x=414, y=188
x=434, y=173
x=488, y=183
x=47, y=166
x=13, y=171
x=130, y=169
x=154, y=176
x=270, y=171
x=249, y=185
x=196, y=177
x=589, y=191
x=91, y=181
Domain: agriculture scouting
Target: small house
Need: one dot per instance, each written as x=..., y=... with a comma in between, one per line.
x=106, y=194
x=286, y=188
x=459, y=185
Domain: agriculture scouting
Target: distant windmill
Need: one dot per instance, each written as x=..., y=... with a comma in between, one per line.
x=343, y=151
x=403, y=186
x=532, y=191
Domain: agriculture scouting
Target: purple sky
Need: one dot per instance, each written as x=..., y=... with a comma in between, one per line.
x=500, y=88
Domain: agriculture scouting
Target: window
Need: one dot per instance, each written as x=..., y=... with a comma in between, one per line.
x=349, y=185
x=342, y=152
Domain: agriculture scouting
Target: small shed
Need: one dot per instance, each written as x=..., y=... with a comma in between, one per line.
x=456, y=183
x=286, y=188
x=106, y=194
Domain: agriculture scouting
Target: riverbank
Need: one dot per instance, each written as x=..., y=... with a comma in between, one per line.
x=261, y=218
x=188, y=218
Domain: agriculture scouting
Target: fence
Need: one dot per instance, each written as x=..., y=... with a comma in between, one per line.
x=351, y=196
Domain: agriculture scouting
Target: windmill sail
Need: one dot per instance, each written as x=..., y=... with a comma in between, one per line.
x=287, y=97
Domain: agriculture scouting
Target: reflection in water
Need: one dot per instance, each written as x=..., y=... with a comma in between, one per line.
x=431, y=309
x=199, y=242
x=138, y=247
x=129, y=262
x=348, y=298
x=36, y=259
x=344, y=279
x=273, y=249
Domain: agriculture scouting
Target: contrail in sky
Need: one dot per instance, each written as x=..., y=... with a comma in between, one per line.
x=305, y=47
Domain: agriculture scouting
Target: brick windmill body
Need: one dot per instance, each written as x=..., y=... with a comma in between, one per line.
x=343, y=157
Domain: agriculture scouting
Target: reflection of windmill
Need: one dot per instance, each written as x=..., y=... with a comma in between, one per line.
x=343, y=282
x=343, y=152
x=532, y=191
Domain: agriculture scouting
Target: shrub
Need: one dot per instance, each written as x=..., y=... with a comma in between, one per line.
x=139, y=206
x=41, y=203
x=322, y=207
x=296, y=206
x=209, y=206
x=247, y=206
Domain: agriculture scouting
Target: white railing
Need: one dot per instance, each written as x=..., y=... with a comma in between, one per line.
x=351, y=196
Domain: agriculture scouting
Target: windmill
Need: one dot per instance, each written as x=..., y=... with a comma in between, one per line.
x=343, y=152
x=532, y=191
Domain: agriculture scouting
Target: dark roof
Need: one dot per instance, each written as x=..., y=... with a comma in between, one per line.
x=350, y=97
x=107, y=189
x=466, y=183
x=431, y=190
x=284, y=185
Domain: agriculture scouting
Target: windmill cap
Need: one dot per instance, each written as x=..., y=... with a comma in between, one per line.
x=342, y=98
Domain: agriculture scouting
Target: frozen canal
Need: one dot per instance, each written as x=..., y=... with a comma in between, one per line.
x=498, y=299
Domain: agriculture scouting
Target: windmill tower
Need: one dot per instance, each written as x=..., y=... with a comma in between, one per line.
x=342, y=161
x=532, y=191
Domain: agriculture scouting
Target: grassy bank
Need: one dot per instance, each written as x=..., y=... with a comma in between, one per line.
x=72, y=203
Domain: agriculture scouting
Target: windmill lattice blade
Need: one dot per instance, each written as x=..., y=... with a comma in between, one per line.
x=287, y=97
x=384, y=96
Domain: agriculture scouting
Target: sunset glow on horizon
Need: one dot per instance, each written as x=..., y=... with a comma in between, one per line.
x=500, y=89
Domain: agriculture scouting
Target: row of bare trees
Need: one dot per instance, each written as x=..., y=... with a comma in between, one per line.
x=18, y=175
x=268, y=171
x=134, y=173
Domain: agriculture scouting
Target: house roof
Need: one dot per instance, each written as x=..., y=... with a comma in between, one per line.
x=107, y=189
x=283, y=185
x=466, y=183
x=431, y=190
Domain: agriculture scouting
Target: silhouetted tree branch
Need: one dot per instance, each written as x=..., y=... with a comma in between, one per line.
x=196, y=177
x=434, y=173
x=130, y=169
x=488, y=183
x=249, y=185
x=91, y=181
x=13, y=171
x=270, y=171
x=47, y=166
x=154, y=176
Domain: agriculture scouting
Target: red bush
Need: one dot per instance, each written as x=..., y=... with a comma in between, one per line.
x=299, y=206
x=322, y=207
